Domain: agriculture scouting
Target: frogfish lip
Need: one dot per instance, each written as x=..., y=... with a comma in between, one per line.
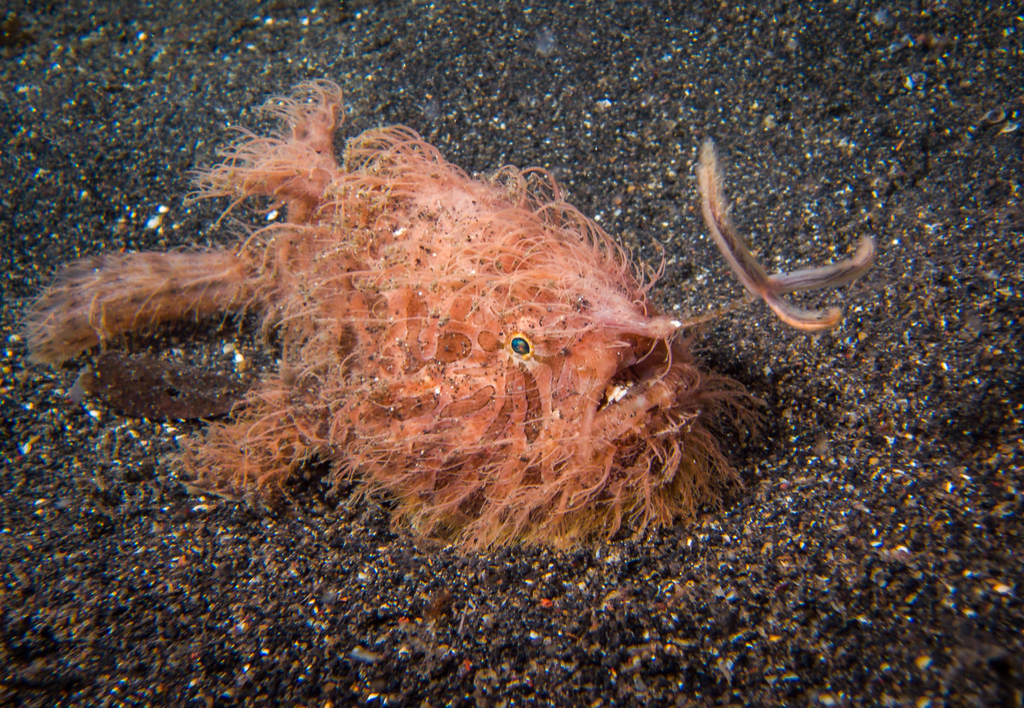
x=649, y=357
x=647, y=361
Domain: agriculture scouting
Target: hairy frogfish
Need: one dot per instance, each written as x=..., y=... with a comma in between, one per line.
x=475, y=350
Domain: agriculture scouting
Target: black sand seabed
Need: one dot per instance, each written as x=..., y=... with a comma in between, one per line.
x=875, y=556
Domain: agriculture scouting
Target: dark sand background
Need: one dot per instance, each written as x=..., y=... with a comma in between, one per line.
x=875, y=556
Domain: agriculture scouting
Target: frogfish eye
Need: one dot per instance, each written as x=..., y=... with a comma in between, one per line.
x=521, y=346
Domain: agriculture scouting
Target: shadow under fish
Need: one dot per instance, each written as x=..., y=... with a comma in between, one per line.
x=144, y=386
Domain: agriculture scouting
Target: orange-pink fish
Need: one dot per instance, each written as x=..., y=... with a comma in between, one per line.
x=477, y=350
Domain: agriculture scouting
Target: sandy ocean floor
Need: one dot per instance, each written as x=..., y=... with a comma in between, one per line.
x=876, y=554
